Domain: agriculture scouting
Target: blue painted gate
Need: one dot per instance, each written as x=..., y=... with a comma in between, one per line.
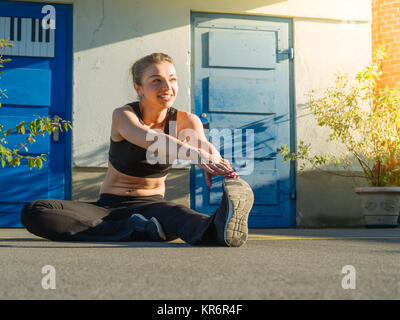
x=37, y=82
x=243, y=81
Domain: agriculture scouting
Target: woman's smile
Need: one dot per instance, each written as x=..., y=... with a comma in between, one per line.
x=165, y=97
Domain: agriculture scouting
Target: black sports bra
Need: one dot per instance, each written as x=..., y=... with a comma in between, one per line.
x=130, y=159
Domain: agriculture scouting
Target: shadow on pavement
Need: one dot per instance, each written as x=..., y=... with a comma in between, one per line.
x=89, y=245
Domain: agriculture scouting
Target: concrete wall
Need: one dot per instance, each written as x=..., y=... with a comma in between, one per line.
x=329, y=36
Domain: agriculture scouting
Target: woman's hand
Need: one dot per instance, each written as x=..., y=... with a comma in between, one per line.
x=231, y=174
x=215, y=165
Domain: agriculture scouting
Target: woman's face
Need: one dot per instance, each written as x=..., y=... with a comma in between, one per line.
x=159, y=85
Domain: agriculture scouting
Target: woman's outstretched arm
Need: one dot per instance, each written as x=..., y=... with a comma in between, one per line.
x=192, y=131
x=195, y=148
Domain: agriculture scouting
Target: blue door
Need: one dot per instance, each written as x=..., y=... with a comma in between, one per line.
x=37, y=82
x=243, y=95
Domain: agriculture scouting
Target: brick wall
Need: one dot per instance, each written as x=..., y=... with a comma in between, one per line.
x=386, y=30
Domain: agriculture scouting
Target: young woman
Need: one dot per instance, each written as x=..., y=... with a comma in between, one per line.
x=131, y=206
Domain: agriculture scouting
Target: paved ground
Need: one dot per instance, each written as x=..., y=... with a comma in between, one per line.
x=273, y=264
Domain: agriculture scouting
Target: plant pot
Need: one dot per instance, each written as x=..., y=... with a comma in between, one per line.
x=381, y=206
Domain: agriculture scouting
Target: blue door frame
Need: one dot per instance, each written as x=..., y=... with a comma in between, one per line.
x=39, y=81
x=215, y=102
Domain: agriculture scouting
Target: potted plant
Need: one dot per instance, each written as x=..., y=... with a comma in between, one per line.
x=364, y=117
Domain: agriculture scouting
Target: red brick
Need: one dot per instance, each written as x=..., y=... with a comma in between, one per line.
x=385, y=7
x=386, y=29
x=392, y=35
x=396, y=4
x=392, y=22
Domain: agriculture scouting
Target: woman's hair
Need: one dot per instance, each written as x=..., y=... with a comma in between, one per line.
x=140, y=65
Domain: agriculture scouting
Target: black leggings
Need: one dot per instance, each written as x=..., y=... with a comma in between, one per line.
x=108, y=219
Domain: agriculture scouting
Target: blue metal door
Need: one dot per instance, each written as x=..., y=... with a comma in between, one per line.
x=37, y=82
x=242, y=94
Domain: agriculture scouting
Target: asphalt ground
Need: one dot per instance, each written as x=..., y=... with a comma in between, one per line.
x=274, y=264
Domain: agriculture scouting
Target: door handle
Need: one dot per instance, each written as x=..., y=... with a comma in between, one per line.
x=205, y=125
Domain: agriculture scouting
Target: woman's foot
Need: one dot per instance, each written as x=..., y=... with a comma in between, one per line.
x=232, y=215
x=147, y=230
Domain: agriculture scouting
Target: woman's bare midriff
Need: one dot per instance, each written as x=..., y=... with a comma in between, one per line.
x=121, y=184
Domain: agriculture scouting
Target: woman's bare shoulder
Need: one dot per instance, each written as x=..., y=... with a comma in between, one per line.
x=125, y=111
x=189, y=121
x=187, y=117
x=120, y=117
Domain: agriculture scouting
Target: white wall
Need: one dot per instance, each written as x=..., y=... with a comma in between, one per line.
x=323, y=48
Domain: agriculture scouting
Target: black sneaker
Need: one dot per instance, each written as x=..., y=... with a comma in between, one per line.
x=231, y=217
x=147, y=230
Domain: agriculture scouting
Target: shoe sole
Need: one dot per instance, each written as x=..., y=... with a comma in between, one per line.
x=240, y=199
x=160, y=230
